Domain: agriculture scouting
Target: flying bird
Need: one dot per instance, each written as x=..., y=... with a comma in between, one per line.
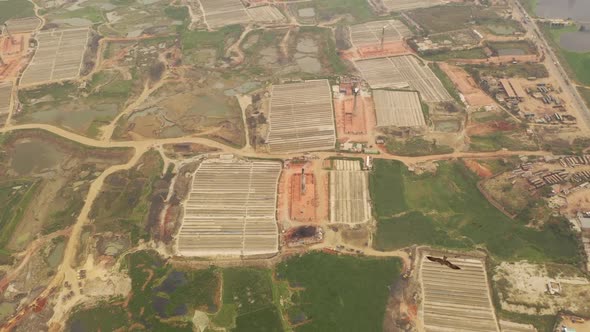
x=443, y=261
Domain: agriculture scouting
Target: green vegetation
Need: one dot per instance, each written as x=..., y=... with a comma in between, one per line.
x=15, y=196
x=577, y=64
x=92, y=14
x=162, y=298
x=530, y=6
x=585, y=93
x=498, y=140
x=327, y=48
x=446, y=82
x=450, y=17
x=526, y=47
x=508, y=70
x=126, y=197
x=416, y=146
x=450, y=202
x=15, y=9
x=327, y=9
x=355, y=300
x=472, y=53
x=217, y=40
x=248, y=302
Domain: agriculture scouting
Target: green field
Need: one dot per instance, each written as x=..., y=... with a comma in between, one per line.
x=15, y=196
x=328, y=9
x=15, y=9
x=103, y=317
x=502, y=140
x=416, y=146
x=450, y=17
x=218, y=41
x=446, y=81
x=508, y=70
x=450, y=202
x=585, y=93
x=125, y=199
x=473, y=53
x=524, y=46
x=340, y=293
x=575, y=63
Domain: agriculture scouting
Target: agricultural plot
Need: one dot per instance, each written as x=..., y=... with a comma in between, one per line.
x=374, y=33
x=231, y=210
x=456, y=300
x=58, y=57
x=402, y=72
x=349, y=195
x=219, y=13
x=22, y=25
x=5, y=97
x=301, y=117
x=402, y=5
x=398, y=108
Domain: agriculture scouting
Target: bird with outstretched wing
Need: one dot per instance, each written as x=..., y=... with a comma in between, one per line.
x=443, y=261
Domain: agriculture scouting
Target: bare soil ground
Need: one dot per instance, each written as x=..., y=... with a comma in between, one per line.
x=354, y=123
x=13, y=52
x=477, y=168
x=467, y=86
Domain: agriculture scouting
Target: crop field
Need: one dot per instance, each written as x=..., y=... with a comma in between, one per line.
x=231, y=209
x=398, y=108
x=349, y=195
x=5, y=97
x=458, y=216
x=11, y=9
x=301, y=117
x=266, y=14
x=450, y=17
x=457, y=300
x=403, y=5
x=353, y=301
x=403, y=72
x=21, y=25
x=371, y=33
x=58, y=57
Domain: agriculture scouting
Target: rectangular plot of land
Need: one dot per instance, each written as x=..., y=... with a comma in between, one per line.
x=402, y=5
x=231, y=210
x=403, y=72
x=266, y=14
x=21, y=25
x=5, y=97
x=59, y=56
x=398, y=108
x=374, y=33
x=349, y=198
x=219, y=13
x=456, y=300
x=301, y=117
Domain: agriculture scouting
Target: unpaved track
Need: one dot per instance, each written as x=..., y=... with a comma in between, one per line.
x=66, y=271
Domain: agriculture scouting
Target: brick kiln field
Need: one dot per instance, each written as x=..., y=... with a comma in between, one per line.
x=456, y=300
x=402, y=5
x=231, y=210
x=5, y=97
x=403, y=72
x=20, y=25
x=219, y=13
x=301, y=117
x=58, y=57
x=398, y=108
x=370, y=33
x=349, y=193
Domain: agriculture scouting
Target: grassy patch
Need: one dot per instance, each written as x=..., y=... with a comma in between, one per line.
x=450, y=17
x=455, y=206
x=522, y=70
x=473, y=53
x=446, y=82
x=15, y=9
x=416, y=146
x=125, y=199
x=327, y=9
x=355, y=300
x=218, y=40
x=585, y=93
x=501, y=140
x=15, y=196
x=525, y=46
x=577, y=64
x=263, y=320
x=103, y=317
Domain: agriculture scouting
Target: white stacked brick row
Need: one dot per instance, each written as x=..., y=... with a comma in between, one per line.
x=58, y=57
x=5, y=97
x=403, y=72
x=398, y=108
x=349, y=196
x=219, y=13
x=402, y=5
x=231, y=210
x=372, y=33
x=22, y=25
x=301, y=117
x=456, y=300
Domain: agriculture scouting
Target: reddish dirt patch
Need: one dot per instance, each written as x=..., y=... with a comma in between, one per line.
x=490, y=127
x=467, y=86
x=13, y=52
x=354, y=118
x=302, y=206
x=376, y=51
x=477, y=168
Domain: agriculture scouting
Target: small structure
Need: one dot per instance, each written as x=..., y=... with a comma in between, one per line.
x=554, y=287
